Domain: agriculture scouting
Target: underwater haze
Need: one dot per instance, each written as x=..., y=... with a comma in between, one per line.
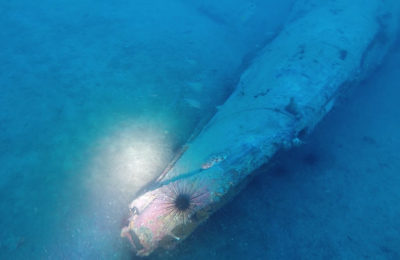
x=96, y=98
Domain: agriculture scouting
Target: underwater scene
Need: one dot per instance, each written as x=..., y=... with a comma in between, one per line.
x=182, y=129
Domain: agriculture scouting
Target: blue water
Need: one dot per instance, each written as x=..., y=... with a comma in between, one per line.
x=97, y=96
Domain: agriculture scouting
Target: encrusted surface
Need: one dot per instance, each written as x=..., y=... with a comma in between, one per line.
x=289, y=87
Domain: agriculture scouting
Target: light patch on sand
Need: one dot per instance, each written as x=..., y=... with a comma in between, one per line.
x=128, y=159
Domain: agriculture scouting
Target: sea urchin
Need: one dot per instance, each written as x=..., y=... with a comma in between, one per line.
x=181, y=200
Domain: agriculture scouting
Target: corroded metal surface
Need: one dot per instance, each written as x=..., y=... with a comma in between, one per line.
x=284, y=93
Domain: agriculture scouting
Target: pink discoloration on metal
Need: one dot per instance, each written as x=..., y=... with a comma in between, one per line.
x=214, y=159
x=157, y=216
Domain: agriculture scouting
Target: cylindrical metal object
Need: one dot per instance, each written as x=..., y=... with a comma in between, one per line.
x=284, y=93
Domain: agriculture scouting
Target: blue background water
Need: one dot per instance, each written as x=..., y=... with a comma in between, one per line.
x=95, y=98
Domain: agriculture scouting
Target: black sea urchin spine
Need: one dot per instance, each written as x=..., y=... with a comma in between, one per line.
x=182, y=200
